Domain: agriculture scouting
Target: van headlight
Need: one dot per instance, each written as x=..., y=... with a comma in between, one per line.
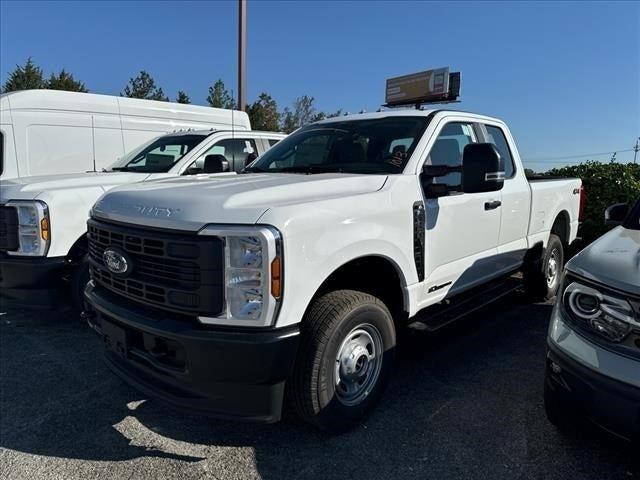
x=610, y=316
x=34, y=230
x=253, y=275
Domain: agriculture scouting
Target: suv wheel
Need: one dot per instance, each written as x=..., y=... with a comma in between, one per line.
x=345, y=359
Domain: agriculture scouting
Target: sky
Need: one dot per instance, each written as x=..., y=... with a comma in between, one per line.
x=565, y=76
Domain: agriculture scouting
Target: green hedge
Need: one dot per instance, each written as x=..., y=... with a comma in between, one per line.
x=605, y=184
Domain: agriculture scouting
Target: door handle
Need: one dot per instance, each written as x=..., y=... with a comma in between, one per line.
x=492, y=205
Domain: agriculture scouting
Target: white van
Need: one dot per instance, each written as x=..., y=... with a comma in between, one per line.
x=46, y=132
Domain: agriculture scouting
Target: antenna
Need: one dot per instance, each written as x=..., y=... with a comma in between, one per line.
x=233, y=131
x=93, y=143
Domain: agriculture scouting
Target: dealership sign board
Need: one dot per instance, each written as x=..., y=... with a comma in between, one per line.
x=422, y=87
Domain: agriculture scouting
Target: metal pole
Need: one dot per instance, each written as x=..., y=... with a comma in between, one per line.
x=635, y=150
x=242, y=45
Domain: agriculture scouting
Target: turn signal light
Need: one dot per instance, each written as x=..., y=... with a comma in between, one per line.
x=44, y=228
x=276, y=277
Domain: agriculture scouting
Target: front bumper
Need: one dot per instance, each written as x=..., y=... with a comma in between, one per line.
x=33, y=281
x=220, y=373
x=601, y=385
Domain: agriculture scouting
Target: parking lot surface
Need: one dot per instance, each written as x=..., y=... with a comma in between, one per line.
x=465, y=403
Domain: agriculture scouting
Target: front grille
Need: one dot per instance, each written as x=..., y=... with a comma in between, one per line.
x=176, y=271
x=9, y=229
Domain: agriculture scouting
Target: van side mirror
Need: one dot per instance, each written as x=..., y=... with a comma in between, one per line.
x=215, y=163
x=482, y=168
x=615, y=214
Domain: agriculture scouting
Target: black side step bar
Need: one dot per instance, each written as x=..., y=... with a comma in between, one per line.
x=449, y=310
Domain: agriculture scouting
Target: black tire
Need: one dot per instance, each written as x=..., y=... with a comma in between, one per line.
x=79, y=280
x=536, y=276
x=340, y=321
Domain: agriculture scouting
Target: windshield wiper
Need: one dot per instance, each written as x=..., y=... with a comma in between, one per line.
x=252, y=170
x=311, y=169
x=121, y=169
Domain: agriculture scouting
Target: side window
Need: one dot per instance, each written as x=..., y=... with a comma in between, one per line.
x=496, y=136
x=448, y=148
x=238, y=152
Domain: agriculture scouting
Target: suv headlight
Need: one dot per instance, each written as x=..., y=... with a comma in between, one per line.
x=253, y=275
x=34, y=231
x=609, y=316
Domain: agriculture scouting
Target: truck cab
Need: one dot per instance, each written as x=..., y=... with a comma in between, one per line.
x=216, y=294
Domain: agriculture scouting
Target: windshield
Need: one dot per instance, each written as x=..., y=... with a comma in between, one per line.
x=158, y=155
x=381, y=146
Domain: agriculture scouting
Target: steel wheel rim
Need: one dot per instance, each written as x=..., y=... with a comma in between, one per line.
x=552, y=268
x=358, y=364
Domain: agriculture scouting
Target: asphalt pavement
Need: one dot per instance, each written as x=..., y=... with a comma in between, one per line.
x=464, y=403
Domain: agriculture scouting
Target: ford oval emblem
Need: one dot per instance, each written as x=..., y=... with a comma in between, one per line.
x=116, y=261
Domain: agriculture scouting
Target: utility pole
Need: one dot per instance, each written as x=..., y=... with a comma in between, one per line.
x=636, y=149
x=242, y=50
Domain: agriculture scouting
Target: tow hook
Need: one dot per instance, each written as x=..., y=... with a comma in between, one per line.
x=88, y=316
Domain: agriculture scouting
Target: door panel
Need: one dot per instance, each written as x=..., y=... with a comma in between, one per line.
x=516, y=201
x=461, y=240
x=461, y=231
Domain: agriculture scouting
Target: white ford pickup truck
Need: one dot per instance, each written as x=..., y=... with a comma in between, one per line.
x=222, y=294
x=43, y=219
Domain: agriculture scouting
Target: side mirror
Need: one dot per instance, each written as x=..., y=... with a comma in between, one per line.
x=482, y=168
x=616, y=213
x=215, y=164
x=429, y=172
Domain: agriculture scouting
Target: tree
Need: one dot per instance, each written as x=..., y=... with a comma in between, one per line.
x=26, y=77
x=322, y=115
x=182, y=97
x=219, y=96
x=65, y=81
x=144, y=86
x=263, y=113
x=302, y=112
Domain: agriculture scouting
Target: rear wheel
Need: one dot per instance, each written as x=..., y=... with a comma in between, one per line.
x=344, y=360
x=542, y=280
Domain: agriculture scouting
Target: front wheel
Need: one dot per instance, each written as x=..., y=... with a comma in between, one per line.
x=345, y=359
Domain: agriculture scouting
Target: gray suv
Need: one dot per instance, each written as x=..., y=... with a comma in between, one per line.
x=593, y=345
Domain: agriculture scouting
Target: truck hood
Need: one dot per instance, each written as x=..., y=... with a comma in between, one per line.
x=189, y=203
x=31, y=187
x=613, y=260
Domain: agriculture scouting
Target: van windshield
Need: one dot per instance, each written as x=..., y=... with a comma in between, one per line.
x=376, y=146
x=158, y=155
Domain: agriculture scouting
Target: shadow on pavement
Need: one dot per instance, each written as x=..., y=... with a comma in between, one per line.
x=464, y=403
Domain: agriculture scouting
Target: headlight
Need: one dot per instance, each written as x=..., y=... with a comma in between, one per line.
x=34, y=233
x=252, y=273
x=611, y=317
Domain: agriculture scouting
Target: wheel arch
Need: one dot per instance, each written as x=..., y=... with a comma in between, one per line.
x=377, y=275
x=562, y=226
x=79, y=249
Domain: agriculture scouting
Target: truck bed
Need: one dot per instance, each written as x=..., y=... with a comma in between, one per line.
x=552, y=198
